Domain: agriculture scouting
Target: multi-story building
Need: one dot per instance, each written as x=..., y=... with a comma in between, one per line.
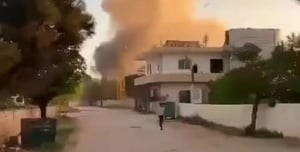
x=168, y=73
x=168, y=69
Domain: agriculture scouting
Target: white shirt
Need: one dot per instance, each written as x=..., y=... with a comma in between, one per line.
x=160, y=110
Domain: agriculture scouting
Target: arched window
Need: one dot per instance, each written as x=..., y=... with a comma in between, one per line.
x=184, y=64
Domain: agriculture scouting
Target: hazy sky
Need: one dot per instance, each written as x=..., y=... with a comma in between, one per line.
x=282, y=14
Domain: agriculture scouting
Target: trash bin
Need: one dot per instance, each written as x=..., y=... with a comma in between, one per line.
x=170, y=110
x=35, y=132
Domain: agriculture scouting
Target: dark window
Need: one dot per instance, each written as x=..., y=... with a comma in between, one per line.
x=184, y=64
x=216, y=65
x=154, y=94
x=147, y=68
x=185, y=96
x=195, y=68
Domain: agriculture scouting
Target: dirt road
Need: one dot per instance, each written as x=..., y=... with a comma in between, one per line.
x=116, y=130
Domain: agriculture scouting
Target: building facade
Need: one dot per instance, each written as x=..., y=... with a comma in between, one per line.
x=168, y=75
x=168, y=69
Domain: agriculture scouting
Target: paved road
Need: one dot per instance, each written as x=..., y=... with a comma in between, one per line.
x=104, y=130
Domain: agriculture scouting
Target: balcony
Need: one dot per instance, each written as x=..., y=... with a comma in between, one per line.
x=176, y=78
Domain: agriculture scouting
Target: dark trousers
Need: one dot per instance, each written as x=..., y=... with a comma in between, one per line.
x=161, y=120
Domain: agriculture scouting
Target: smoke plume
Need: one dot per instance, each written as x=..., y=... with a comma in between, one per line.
x=140, y=24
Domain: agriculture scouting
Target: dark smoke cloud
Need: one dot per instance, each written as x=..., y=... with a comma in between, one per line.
x=139, y=24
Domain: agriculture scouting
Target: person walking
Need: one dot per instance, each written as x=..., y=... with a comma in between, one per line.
x=160, y=112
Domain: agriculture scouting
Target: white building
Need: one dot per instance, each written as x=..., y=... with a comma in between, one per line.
x=168, y=68
x=168, y=72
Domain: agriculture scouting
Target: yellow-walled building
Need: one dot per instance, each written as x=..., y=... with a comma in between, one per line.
x=121, y=89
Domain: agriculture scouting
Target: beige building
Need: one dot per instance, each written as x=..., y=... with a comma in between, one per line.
x=168, y=73
x=168, y=68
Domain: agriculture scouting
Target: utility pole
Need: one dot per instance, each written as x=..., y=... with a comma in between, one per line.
x=193, y=71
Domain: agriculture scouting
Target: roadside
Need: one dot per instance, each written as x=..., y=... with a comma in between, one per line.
x=66, y=127
x=120, y=130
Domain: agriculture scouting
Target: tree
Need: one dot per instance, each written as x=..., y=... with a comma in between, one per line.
x=247, y=53
x=49, y=34
x=10, y=55
x=238, y=84
x=277, y=78
x=284, y=72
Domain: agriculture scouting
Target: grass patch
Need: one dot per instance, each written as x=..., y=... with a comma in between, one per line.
x=261, y=133
x=264, y=133
x=196, y=120
x=65, y=127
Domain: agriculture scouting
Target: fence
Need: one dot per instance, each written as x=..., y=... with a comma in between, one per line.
x=282, y=118
x=10, y=121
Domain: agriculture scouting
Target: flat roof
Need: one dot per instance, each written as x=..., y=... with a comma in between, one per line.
x=250, y=28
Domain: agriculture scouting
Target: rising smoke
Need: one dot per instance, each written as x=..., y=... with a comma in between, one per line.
x=140, y=24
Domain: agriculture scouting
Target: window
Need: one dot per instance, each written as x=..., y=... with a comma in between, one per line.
x=184, y=64
x=185, y=96
x=195, y=68
x=216, y=65
x=154, y=94
x=149, y=70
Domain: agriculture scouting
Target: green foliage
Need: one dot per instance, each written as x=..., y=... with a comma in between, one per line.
x=276, y=78
x=239, y=84
x=247, y=53
x=284, y=74
x=10, y=55
x=49, y=34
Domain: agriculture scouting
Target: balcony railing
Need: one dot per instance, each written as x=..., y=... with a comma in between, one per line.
x=158, y=78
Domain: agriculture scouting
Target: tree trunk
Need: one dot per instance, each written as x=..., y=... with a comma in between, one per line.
x=250, y=130
x=43, y=110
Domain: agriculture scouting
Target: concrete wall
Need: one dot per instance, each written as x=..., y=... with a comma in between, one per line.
x=172, y=89
x=283, y=118
x=10, y=121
